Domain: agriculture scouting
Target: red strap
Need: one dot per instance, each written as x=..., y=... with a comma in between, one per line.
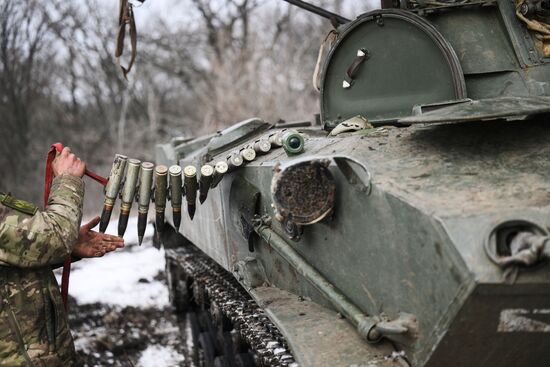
x=48, y=178
x=55, y=148
x=65, y=282
x=94, y=176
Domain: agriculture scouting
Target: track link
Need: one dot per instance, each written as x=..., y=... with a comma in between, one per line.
x=237, y=332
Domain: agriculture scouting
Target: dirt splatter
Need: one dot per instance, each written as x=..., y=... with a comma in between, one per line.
x=117, y=336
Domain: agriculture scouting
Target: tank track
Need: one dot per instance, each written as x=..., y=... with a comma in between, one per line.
x=198, y=283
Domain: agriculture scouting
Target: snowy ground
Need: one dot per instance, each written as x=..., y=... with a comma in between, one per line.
x=122, y=315
x=123, y=278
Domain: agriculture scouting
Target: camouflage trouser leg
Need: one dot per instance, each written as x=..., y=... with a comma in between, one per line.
x=33, y=324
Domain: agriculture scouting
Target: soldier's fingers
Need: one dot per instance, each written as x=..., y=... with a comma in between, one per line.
x=105, y=247
x=66, y=151
x=114, y=245
x=91, y=224
x=80, y=162
x=110, y=248
x=111, y=238
x=99, y=254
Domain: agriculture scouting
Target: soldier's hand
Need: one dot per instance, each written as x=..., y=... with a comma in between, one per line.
x=95, y=244
x=67, y=162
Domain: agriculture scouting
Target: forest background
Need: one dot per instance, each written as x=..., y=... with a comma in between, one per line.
x=201, y=66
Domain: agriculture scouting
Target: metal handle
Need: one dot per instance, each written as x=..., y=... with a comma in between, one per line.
x=362, y=56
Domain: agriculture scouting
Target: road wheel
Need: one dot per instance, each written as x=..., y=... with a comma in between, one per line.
x=207, y=348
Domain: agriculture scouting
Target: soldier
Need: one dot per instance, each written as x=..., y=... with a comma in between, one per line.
x=33, y=323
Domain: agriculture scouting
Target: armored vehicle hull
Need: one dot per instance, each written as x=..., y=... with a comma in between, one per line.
x=409, y=232
x=424, y=243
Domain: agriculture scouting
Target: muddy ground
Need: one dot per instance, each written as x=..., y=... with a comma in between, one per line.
x=120, y=314
x=126, y=336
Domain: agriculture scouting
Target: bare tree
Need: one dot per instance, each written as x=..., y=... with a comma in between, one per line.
x=23, y=78
x=223, y=62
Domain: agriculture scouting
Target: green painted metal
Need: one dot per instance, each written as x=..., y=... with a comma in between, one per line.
x=415, y=241
x=235, y=134
x=479, y=110
x=293, y=142
x=414, y=205
x=482, y=33
x=302, y=267
x=320, y=337
x=480, y=51
x=409, y=63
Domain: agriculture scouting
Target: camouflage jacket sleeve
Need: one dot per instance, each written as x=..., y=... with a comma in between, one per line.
x=48, y=236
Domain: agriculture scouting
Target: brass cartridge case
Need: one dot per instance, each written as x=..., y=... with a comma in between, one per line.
x=262, y=146
x=144, y=197
x=234, y=161
x=220, y=169
x=175, y=193
x=112, y=189
x=276, y=139
x=248, y=154
x=207, y=172
x=161, y=192
x=190, y=182
x=128, y=193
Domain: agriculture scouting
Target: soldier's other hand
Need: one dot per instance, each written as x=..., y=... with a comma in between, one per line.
x=95, y=244
x=67, y=162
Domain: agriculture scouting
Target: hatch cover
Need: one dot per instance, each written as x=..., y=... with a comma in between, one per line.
x=383, y=64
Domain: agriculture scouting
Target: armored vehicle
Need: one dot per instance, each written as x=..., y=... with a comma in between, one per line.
x=406, y=226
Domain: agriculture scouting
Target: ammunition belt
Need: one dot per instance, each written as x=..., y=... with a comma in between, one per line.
x=212, y=282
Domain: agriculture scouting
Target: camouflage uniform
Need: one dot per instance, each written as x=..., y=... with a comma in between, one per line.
x=33, y=323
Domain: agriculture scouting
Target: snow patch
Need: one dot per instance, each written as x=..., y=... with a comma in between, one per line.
x=160, y=356
x=130, y=236
x=124, y=277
